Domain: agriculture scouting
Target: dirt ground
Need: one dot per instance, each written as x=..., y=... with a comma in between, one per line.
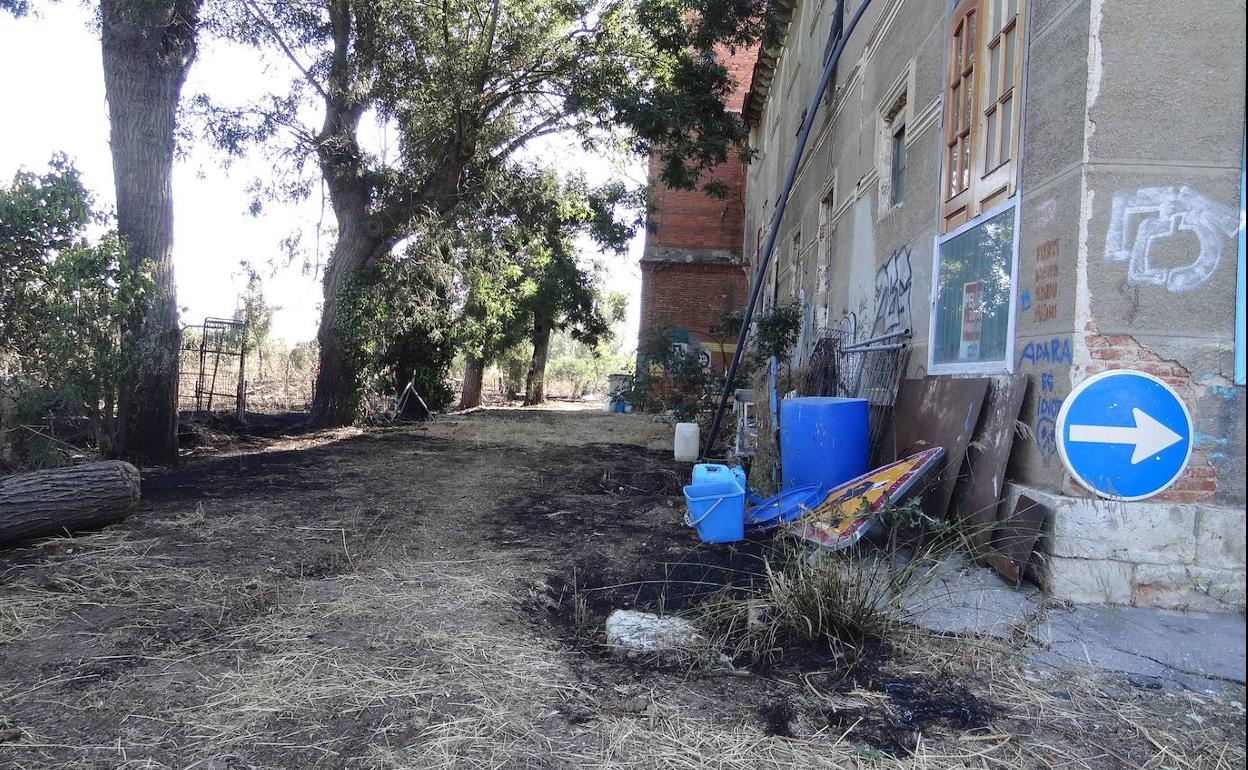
x=429, y=596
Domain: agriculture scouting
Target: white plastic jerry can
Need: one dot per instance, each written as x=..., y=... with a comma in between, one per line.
x=687, y=439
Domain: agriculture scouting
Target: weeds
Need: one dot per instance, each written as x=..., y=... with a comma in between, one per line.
x=836, y=602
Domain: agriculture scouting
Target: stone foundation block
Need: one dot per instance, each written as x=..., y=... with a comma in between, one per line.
x=1220, y=538
x=1188, y=588
x=1086, y=528
x=1090, y=581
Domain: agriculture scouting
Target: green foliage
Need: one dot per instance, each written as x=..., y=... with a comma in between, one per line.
x=399, y=327
x=837, y=600
x=467, y=83
x=462, y=86
x=64, y=300
x=16, y=7
x=521, y=266
x=669, y=377
x=776, y=330
x=580, y=368
x=254, y=311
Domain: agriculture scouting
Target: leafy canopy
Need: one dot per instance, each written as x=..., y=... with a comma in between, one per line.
x=462, y=85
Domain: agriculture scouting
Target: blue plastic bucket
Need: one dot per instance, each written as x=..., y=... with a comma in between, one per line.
x=716, y=510
x=822, y=440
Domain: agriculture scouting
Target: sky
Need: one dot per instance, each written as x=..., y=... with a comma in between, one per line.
x=53, y=92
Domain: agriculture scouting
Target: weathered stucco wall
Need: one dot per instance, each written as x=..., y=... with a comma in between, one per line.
x=1132, y=113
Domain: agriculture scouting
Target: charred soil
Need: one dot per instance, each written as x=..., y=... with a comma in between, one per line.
x=429, y=596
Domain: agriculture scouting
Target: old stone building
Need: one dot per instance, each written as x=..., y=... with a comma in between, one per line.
x=1039, y=186
x=692, y=272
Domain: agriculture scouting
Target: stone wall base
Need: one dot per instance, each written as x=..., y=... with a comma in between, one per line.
x=1165, y=555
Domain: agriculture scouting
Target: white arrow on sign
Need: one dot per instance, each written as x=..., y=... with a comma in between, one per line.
x=1147, y=435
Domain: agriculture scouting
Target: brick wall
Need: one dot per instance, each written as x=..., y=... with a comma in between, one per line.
x=691, y=219
x=691, y=274
x=692, y=297
x=1199, y=482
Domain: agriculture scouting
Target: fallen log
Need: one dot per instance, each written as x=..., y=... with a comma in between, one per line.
x=69, y=499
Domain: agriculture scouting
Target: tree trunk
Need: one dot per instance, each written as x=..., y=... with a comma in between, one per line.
x=535, y=384
x=515, y=377
x=336, y=399
x=66, y=499
x=474, y=375
x=147, y=48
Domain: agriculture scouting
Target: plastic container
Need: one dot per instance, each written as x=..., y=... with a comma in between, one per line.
x=785, y=507
x=716, y=510
x=706, y=472
x=686, y=443
x=822, y=441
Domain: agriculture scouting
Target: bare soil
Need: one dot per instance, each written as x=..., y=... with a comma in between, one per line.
x=429, y=596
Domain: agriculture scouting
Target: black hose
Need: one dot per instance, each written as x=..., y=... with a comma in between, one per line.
x=828, y=68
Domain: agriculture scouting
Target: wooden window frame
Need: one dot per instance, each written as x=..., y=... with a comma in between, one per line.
x=971, y=187
x=957, y=184
x=997, y=182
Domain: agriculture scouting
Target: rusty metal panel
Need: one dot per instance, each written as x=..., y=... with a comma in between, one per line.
x=977, y=497
x=1016, y=538
x=935, y=411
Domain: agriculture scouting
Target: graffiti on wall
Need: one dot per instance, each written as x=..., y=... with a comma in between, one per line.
x=846, y=326
x=1047, y=407
x=1043, y=298
x=893, y=282
x=1046, y=213
x=1141, y=220
x=1052, y=351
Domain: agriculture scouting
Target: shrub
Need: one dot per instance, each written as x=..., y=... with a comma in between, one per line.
x=63, y=301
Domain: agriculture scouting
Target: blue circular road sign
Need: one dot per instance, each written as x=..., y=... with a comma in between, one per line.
x=1125, y=435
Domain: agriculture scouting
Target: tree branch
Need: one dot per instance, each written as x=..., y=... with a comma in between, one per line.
x=254, y=11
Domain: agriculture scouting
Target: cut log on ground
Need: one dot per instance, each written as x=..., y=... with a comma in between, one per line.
x=69, y=499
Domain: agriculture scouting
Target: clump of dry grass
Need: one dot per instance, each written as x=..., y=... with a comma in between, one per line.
x=106, y=568
x=840, y=601
x=1087, y=718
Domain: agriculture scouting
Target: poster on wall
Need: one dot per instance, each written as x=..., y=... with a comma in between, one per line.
x=972, y=320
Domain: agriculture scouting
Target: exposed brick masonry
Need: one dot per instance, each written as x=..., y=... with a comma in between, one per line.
x=1123, y=351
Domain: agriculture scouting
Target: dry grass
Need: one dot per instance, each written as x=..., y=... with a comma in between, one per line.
x=1085, y=718
x=554, y=424
x=415, y=654
x=101, y=569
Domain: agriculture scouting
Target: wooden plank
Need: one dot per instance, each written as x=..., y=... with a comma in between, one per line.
x=977, y=496
x=1016, y=538
x=934, y=411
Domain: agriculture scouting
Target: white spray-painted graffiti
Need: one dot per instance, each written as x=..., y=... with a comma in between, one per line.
x=1139, y=219
x=1046, y=213
x=892, y=293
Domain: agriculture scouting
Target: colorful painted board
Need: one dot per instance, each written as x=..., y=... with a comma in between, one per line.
x=847, y=512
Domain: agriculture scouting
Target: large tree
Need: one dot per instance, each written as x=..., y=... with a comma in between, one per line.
x=148, y=46
x=463, y=85
x=524, y=276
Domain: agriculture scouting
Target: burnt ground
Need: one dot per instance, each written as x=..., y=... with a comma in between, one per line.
x=430, y=596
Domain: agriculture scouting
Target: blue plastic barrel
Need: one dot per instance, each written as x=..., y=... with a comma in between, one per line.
x=822, y=440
